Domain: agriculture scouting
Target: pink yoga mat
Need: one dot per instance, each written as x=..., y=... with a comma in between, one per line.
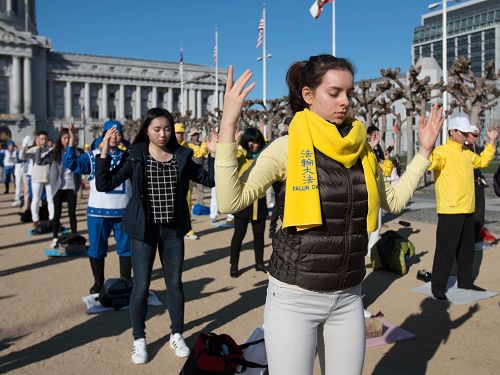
x=391, y=334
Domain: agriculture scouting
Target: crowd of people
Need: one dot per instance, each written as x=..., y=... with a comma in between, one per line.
x=324, y=160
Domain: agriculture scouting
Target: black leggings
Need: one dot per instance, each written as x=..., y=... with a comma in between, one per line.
x=61, y=196
x=240, y=229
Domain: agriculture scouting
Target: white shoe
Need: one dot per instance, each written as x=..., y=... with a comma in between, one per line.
x=192, y=236
x=16, y=203
x=53, y=244
x=179, y=345
x=139, y=352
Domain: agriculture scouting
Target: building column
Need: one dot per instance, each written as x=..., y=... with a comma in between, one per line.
x=154, y=97
x=121, y=106
x=9, y=7
x=138, y=100
x=192, y=104
x=50, y=99
x=199, y=111
x=67, y=100
x=104, y=101
x=86, y=100
x=170, y=99
x=27, y=85
x=15, y=107
x=221, y=100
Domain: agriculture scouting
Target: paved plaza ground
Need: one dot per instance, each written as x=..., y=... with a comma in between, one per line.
x=44, y=328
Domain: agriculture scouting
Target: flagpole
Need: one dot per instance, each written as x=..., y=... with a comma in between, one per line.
x=334, y=49
x=84, y=121
x=182, y=83
x=264, y=57
x=216, y=68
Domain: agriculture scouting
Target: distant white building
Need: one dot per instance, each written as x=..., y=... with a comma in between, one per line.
x=41, y=89
x=473, y=33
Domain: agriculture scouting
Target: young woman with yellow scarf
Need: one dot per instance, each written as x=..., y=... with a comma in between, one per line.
x=333, y=188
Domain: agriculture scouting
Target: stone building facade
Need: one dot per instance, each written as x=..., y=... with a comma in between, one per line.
x=44, y=89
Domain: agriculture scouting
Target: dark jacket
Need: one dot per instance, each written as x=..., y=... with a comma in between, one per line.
x=133, y=166
x=332, y=256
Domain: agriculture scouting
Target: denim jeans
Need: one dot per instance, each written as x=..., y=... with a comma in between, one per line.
x=171, y=250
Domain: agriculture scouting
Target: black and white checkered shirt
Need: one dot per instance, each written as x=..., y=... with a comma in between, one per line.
x=162, y=186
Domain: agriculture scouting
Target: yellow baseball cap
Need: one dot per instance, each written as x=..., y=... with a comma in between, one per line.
x=179, y=127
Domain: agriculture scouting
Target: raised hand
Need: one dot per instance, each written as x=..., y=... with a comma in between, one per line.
x=374, y=139
x=105, y=142
x=212, y=141
x=235, y=95
x=429, y=129
x=492, y=133
x=72, y=136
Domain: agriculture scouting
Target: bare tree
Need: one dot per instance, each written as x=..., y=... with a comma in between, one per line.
x=381, y=108
x=415, y=95
x=365, y=99
x=473, y=94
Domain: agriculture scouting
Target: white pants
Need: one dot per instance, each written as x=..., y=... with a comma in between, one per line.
x=36, y=188
x=19, y=181
x=298, y=323
x=214, y=212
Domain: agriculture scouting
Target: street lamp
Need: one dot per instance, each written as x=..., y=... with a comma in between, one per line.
x=444, y=4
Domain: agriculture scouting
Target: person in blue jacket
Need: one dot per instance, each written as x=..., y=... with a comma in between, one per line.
x=105, y=210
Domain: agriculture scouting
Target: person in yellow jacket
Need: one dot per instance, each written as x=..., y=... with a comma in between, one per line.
x=199, y=152
x=453, y=165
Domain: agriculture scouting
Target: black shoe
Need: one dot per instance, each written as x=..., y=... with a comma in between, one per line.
x=96, y=288
x=261, y=267
x=476, y=288
x=97, y=266
x=440, y=296
x=424, y=275
x=233, y=272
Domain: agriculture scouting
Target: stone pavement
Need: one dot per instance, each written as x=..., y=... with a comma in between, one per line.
x=44, y=328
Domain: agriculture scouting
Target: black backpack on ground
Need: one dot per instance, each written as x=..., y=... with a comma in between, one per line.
x=71, y=244
x=116, y=293
x=43, y=227
x=43, y=213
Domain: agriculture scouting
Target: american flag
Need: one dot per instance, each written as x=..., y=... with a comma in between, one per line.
x=181, y=65
x=215, y=55
x=261, y=32
x=317, y=7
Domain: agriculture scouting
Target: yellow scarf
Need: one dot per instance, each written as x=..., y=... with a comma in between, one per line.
x=308, y=131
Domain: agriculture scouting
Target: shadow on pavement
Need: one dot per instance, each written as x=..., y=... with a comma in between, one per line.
x=433, y=326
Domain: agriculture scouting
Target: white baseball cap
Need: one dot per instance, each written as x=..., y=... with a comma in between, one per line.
x=460, y=123
x=474, y=129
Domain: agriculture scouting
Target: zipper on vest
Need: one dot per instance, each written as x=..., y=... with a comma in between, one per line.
x=347, y=233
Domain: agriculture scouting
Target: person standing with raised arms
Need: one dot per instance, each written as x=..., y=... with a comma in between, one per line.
x=333, y=188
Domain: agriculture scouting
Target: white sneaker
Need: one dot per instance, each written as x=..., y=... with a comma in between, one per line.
x=53, y=244
x=179, y=345
x=16, y=203
x=139, y=352
x=192, y=236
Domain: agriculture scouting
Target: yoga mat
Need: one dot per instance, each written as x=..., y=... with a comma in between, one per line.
x=456, y=295
x=56, y=253
x=391, y=334
x=94, y=307
x=222, y=224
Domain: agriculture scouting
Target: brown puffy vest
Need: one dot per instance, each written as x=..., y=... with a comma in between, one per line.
x=332, y=256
